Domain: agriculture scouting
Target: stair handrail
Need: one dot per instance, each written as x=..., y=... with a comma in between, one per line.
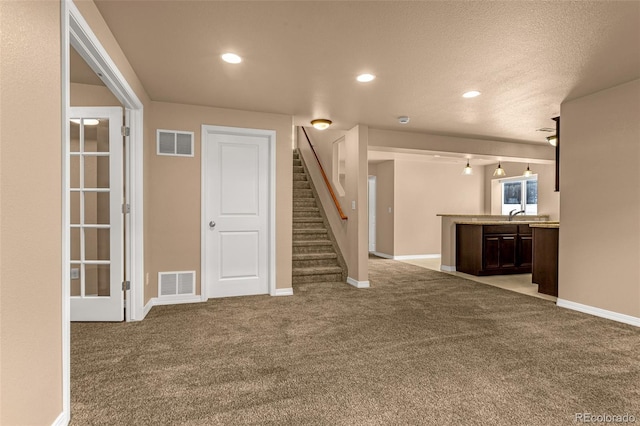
x=326, y=180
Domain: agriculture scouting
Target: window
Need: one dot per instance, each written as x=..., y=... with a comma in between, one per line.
x=520, y=194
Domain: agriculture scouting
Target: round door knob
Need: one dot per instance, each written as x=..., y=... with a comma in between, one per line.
x=212, y=224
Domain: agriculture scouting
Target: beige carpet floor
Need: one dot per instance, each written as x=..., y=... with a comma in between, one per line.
x=418, y=347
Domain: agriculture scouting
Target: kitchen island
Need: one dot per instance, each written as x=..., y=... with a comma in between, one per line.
x=545, y=257
x=494, y=248
x=448, y=236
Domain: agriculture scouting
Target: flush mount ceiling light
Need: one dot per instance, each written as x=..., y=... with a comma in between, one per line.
x=231, y=58
x=321, y=123
x=87, y=121
x=403, y=120
x=467, y=171
x=553, y=140
x=499, y=171
x=365, y=78
x=527, y=172
x=471, y=94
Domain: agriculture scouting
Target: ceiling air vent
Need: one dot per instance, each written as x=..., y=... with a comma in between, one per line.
x=174, y=142
x=182, y=283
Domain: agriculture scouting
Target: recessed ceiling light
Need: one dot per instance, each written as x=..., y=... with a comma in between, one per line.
x=403, y=119
x=545, y=129
x=365, y=78
x=231, y=58
x=471, y=94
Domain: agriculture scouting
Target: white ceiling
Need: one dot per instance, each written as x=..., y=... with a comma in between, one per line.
x=301, y=58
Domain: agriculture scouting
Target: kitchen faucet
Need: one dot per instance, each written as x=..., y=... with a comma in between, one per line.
x=512, y=214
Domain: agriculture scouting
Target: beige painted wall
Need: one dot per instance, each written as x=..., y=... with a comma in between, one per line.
x=89, y=95
x=600, y=201
x=548, y=199
x=385, y=185
x=423, y=190
x=30, y=226
x=357, y=195
x=173, y=225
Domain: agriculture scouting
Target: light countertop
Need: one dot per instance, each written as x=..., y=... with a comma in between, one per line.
x=552, y=225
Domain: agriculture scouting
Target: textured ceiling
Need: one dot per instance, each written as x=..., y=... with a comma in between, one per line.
x=301, y=58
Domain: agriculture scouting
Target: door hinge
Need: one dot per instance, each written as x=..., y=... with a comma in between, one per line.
x=125, y=131
x=126, y=285
x=126, y=208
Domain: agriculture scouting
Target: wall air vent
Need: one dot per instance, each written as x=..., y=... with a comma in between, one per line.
x=174, y=142
x=181, y=283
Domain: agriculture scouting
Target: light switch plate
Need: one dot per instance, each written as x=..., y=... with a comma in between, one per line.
x=353, y=205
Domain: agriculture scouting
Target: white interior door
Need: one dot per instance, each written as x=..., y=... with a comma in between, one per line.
x=372, y=213
x=95, y=203
x=236, y=216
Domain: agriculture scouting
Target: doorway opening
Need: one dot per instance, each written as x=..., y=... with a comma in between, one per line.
x=77, y=34
x=372, y=213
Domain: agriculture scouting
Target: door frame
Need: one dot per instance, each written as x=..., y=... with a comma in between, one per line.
x=372, y=188
x=207, y=130
x=76, y=31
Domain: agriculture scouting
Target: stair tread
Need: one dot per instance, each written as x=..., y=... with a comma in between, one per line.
x=314, y=256
x=309, y=231
x=313, y=243
x=306, y=219
x=317, y=270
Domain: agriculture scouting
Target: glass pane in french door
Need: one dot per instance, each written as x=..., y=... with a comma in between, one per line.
x=90, y=208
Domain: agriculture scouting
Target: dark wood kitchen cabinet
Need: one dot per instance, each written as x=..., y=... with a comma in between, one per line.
x=494, y=249
x=545, y=260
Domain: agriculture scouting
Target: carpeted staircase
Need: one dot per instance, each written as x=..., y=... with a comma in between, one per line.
x=315, y=258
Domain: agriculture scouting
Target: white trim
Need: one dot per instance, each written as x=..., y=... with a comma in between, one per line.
x=147, y=308
x=384, y=255
x=406, y=257
x=417, y=256
x=65, y=416
x=447, y=268
x=271, y=135
x=177, y=300
x=283, y=292
x=598, y=312
x=357, y=284
x=136, y=217
x=61, y=420
x=156, y=301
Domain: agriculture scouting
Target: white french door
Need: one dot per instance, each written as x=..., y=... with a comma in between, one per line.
x=96, y=219
x=236, y=213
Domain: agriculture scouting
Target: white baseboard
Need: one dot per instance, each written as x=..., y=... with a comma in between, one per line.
x=283, y=292
x=357, y=284
x=384, y=255
x=447, y=268
x=598, y=312
x=406, y=257
x=157, y=301
x=61, y=420
x=417, y=256
x=147, y=308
